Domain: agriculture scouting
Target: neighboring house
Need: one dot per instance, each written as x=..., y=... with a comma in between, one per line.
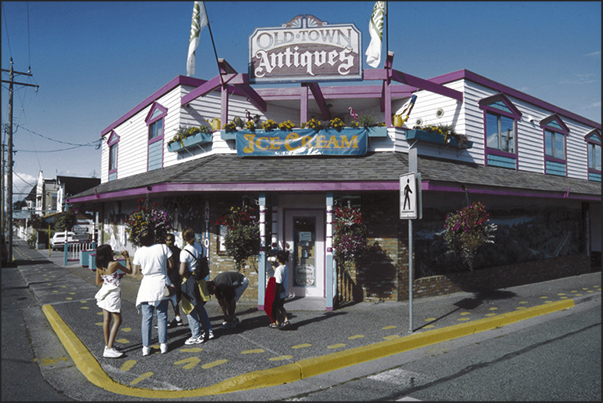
x=72, y=185
x=46, y=195
x=30, y=199
x=536, y=167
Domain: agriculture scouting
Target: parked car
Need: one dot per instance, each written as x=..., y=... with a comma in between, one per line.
x=4, y=251
x=58, y=240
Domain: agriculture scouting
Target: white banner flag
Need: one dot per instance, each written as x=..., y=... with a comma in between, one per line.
x=373, y=53
x=199, y=22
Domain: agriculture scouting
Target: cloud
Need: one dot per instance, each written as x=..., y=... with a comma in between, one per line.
x=593, y=54
x=22, y=184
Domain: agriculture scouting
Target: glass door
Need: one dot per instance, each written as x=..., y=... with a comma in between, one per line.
x=305, y=233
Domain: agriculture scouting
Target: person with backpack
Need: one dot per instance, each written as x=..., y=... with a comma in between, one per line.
x=194, y=269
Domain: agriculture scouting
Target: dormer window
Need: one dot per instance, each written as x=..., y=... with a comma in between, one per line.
x=500, y=131
x=593, y=147
x=155, y=123
x=555, y=133
x=112, y=143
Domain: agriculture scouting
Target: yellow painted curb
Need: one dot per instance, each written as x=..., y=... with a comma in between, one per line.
x=318, y=365
x=87, y=364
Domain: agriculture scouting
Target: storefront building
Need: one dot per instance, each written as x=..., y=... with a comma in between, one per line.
x=535, y=167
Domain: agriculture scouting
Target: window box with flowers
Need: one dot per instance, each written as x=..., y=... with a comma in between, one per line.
x=373, y=128
x=440, y=134
x=147, y=217
x=187, y=137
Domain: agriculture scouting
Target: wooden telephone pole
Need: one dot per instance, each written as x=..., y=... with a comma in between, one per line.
x=9, y=175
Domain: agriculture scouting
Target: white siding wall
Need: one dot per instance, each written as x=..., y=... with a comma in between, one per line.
x=467, y=118
x=425, y=109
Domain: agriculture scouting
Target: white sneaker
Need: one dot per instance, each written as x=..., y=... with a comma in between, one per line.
x=112, y=353
x=163, y=348
x=146, y=350
x=194, y=340
x=211, y=335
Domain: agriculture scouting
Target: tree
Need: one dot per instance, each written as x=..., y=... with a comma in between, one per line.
x=65, y=220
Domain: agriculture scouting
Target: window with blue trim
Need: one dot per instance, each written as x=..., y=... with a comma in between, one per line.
x=113, y=142
x=593, y=146
x=555, y=133
x=500, y=131
x=155, y=122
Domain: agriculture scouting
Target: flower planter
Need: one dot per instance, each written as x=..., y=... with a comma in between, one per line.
x=224, y=135
x=191, y=141
x=435, y=138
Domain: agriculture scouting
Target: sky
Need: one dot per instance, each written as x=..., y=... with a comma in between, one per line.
x=95, y=61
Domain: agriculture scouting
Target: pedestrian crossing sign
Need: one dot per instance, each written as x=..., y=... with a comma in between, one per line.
x=410, y=196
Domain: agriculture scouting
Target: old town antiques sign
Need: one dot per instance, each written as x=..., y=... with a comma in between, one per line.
x=305, y=50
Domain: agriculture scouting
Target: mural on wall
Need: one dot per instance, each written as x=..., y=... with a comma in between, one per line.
x=522, y=235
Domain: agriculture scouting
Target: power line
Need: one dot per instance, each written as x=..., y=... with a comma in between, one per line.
x=59, y=141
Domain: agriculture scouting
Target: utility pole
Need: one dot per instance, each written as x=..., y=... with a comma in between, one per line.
x=9, y=174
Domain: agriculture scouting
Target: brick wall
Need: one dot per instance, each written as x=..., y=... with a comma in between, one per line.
x=502, y=276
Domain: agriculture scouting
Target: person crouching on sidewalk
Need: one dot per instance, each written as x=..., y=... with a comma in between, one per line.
x=228, y=288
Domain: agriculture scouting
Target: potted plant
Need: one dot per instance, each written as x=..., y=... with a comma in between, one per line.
x=466, y=230
x=147, y=217
x=242, y=239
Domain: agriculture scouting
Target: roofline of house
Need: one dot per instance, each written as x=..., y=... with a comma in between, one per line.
x=443, y=79
x=476, y=78
x=357, y=186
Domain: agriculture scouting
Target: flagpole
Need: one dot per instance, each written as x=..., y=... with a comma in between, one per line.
x=213, y=44
x=389, y=80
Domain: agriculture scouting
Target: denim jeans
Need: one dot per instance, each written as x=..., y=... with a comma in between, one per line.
x=147, y=322
x=193, y=321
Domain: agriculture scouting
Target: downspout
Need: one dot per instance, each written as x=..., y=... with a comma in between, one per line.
x=330, y=273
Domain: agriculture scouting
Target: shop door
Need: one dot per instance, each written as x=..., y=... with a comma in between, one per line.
x=305, y=233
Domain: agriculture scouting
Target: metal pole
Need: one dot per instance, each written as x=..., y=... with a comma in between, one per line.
x=410, y=276
x=412, y=167
x=9, y=159
x=9, y=173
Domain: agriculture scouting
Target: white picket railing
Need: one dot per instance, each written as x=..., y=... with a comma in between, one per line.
x=74, y=250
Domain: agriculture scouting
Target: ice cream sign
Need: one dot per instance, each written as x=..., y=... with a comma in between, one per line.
x=305, y=49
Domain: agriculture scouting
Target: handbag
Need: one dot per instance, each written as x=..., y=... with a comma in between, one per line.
x=168, y=291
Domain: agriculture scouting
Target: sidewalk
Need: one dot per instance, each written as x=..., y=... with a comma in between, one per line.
x=256, y=356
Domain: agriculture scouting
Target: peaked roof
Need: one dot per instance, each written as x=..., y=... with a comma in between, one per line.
x=75, y=185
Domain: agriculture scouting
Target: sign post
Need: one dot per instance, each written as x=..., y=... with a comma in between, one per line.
x=411, y=207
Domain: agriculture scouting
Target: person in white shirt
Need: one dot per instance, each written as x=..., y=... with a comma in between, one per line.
x=152, y=260
x=281, y=275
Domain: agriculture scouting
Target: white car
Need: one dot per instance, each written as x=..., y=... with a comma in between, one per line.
x=58, y=239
